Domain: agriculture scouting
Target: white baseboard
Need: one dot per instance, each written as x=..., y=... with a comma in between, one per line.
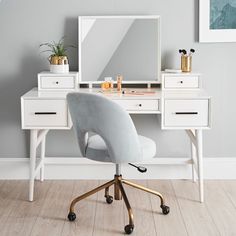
x=81, y=168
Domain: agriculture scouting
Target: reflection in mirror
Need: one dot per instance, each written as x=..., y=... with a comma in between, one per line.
x=126, y=46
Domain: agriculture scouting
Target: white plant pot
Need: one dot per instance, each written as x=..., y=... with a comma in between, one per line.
x=59, y=69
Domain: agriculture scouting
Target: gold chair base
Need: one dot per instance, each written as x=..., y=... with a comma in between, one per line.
x=119, y=193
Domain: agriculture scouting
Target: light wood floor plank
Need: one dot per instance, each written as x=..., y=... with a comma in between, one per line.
x=171, y=224
x=195, y=214
x=1, y=184
x=221, y=208
x=109, y=218
x=25, y=213
x=85, y=210
x=53, y=213
x=141, y=204
x=9, y=193
x=47, y=215
x=230, y=188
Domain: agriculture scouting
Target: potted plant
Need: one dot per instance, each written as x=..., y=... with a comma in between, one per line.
x=58, y=59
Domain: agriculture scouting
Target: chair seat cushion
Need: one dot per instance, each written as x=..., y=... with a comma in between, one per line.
x=97, y=150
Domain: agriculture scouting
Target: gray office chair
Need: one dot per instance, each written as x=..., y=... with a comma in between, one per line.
x=115, y=140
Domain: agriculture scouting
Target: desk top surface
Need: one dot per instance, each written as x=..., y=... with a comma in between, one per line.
x=131, y=93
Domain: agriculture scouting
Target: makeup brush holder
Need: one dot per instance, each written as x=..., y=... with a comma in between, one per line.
x=186, y=63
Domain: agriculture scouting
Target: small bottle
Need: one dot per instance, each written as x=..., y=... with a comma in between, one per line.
x=119, y=79
x=111, y=84
x=110, y=81
x=105, y=85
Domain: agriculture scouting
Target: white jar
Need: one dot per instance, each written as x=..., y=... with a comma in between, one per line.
x=59, y=69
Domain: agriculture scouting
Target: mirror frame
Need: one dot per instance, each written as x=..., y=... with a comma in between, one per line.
x=155, y=17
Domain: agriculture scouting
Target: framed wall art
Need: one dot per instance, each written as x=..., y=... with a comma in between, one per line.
x=217, y=21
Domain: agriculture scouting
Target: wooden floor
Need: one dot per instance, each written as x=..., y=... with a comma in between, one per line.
x=47, y=215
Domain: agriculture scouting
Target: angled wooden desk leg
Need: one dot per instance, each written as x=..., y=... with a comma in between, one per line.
x=37, y=137
x=200, y=164
x=196, y=150
x=42, y=142
x=193, y=157
x=33, y=148
x=42, y=157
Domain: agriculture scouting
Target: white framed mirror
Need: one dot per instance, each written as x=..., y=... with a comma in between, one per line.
x=119, y=45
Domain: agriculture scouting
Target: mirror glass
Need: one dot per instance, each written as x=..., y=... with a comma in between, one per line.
x=119, y=46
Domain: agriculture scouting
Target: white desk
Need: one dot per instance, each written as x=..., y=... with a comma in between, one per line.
x=187, y=110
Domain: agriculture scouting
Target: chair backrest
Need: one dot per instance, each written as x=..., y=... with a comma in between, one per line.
x=100, y=115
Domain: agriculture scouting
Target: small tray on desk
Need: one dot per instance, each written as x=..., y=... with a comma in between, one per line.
x=132, y=92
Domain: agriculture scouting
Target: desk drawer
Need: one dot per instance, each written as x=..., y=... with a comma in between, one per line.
x=186, y=113
x=57, y=82
x=139, y=105
x=45, y=113
x=185, y=82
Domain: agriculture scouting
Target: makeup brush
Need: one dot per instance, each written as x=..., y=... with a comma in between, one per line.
x=191, y=51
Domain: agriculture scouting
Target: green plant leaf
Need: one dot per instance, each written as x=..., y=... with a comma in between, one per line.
x=46, y=44
x=61, y=41
x=58, y=49
x=46, y=51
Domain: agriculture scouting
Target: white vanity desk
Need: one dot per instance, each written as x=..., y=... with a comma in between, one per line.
x=185, y=109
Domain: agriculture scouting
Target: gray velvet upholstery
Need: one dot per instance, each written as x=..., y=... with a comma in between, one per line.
x=116, y=138
x=97, y=149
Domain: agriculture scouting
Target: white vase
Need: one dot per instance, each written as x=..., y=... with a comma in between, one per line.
x=59, y=69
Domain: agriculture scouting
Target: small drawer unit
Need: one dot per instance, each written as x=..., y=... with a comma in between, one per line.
x=45, y=113
x=51, y=81
x=184, y=81
x=186, y=113
x=142, y=106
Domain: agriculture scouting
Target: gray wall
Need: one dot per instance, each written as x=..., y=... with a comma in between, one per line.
x=25, y=24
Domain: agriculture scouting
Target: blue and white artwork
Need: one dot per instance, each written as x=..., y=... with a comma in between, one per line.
x=222, y=14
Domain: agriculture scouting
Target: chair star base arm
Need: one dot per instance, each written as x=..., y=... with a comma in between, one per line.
x=145, y=189
x=119, y=193
x=85, y=195
x=130, y=212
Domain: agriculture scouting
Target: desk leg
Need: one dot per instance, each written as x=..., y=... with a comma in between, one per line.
x=33, y=148
x=200, y=163
x=42, y=157
x=193, y=157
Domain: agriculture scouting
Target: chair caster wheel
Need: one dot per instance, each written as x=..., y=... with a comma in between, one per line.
x=129, y=229
x=109, y=199
x=165, y=209
x=71, y=216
